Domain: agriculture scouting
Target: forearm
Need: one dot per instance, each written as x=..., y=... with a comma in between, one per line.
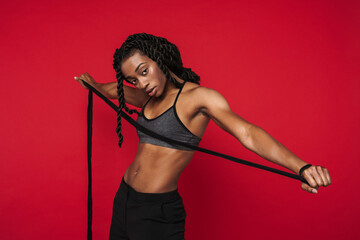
x=260, y=142
x=109, y=90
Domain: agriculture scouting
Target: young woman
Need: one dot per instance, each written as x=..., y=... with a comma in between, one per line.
x=147, y=204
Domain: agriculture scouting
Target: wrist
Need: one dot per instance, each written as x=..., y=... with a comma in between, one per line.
x=302, y=169
x=298, y=166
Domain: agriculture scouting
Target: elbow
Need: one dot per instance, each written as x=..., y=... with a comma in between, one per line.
x=246, y=136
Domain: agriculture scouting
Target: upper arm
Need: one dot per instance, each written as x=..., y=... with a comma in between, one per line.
x=135, y=96
x=218, y=109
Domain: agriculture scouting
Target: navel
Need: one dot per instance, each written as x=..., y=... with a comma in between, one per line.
x=136, y=171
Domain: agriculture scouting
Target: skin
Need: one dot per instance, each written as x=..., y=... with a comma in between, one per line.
x=157, y=169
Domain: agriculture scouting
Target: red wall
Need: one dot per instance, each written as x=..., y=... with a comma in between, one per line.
x=291, y=67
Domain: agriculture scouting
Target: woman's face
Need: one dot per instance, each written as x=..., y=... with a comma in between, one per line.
x=144, y=74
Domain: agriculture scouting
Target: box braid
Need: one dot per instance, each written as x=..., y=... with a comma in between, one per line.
x=161, y=51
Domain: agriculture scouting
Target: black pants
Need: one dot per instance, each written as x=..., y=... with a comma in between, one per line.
x=147, y=216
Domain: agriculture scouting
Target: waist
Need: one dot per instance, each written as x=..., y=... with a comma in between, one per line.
x=141, y=196
x=156, y=169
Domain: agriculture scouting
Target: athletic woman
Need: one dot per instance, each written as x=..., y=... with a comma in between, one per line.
x=147, y=204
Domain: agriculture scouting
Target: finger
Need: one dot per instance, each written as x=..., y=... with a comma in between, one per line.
x=316, y=175
x=309, y=189
x=309, y=178
x=87, y=78
x=80, y=81
x=311, y=171
x=327, y=174
x=322, y=175
x=83, y=76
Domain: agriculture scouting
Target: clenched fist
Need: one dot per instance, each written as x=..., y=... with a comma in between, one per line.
x=316, y=176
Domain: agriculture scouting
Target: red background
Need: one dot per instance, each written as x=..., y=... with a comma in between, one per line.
x=290, y=67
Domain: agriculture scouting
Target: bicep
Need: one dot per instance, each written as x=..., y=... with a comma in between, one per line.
x=218, y=109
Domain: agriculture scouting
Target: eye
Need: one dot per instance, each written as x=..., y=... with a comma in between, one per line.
x=145, y=71
x=133, y=81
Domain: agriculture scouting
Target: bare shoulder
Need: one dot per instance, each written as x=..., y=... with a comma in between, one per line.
x=198, y=91
x=205, y=100
x=205, y=96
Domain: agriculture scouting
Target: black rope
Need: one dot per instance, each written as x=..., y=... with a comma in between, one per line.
x=89, y=147
x=163, y=138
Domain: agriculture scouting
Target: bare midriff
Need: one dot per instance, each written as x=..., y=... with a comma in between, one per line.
x=156, y=169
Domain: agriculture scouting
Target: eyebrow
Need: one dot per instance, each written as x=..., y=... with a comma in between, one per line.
x=135, y=70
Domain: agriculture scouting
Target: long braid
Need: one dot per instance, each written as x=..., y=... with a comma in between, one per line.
x=161, y=51
x=120, y=92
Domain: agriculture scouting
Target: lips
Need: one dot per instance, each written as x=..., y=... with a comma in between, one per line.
x=152, y=91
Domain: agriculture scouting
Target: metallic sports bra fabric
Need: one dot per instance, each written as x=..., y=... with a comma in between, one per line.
x=167, y=124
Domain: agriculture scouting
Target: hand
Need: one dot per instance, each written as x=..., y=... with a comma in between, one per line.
x=87, y=78
x=316, y=176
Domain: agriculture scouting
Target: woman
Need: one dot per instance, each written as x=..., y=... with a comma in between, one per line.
x=147, y=204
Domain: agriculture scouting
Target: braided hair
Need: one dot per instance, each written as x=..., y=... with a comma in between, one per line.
x=160, y=50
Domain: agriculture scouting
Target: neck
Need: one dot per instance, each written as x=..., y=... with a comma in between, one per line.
x=170, y=87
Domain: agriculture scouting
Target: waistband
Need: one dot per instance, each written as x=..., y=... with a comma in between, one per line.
x=167, y=196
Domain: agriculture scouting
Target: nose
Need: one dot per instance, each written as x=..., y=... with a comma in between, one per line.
x=143, y=84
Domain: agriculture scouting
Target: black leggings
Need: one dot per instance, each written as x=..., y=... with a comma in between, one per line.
x=147, y=216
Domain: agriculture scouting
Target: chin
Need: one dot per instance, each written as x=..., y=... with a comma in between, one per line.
x=158, y=93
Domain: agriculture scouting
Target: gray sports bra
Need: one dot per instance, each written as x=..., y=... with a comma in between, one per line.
x=167, y=124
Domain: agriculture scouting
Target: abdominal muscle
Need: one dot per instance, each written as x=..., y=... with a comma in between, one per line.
x=156, y=169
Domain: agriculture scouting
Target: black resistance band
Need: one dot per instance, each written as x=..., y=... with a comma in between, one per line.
x=153, y=134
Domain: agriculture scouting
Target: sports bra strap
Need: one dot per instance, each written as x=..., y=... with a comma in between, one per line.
x=174, y=101
x=146, y=102
x=179, y=93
